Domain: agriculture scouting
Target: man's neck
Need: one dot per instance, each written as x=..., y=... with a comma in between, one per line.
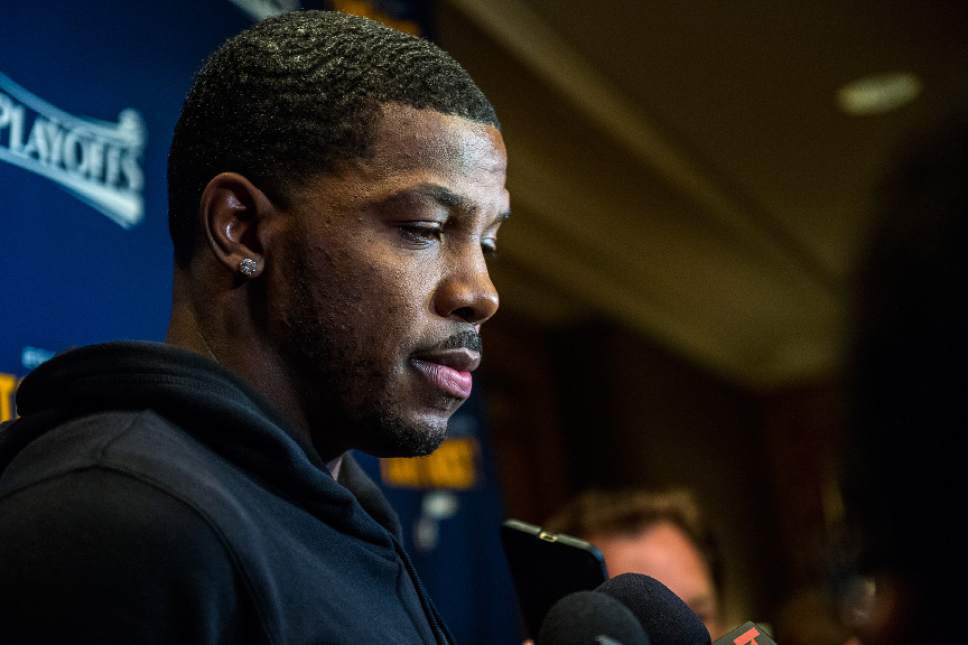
x=209, y=337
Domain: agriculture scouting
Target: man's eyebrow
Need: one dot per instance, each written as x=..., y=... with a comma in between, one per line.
x=442, y=195
x=434, y=192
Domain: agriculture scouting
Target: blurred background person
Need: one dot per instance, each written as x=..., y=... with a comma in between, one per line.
x=660, y=534
x=904, y=480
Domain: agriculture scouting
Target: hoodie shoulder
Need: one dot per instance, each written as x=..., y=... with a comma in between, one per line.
x=34, y=451
x=86, y=442
x=79, y=547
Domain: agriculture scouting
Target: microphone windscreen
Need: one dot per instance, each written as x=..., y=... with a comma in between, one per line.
x=590, y=618
x=666, y=618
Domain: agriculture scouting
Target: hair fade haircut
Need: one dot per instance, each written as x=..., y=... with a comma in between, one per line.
x=281, y=102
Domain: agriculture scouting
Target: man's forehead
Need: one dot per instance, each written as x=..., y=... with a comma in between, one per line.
x=415, y=152
x=408, y=138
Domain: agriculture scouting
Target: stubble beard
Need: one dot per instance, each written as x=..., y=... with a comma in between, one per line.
x=342, y=391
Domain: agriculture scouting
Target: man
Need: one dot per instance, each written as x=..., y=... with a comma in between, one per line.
x=658, y=534
x=335, y=188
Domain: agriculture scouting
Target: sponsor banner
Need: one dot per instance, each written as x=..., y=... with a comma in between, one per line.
x=96, y=161
x=8, y=385
x=89, y=95
x=262, y=9
x=454, y=466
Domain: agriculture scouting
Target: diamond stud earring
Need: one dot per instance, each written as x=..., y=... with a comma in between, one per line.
x=248, y=267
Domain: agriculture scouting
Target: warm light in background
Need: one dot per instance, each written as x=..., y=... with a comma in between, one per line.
x=878, y=93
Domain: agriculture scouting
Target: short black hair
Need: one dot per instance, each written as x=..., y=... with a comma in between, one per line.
x=284, y=100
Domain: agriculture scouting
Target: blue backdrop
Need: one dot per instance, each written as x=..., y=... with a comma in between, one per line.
x=89, y=95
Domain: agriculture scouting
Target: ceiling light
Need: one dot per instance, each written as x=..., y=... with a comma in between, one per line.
x=878, y=93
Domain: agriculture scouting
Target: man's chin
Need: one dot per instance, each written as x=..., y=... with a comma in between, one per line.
x=399, y=438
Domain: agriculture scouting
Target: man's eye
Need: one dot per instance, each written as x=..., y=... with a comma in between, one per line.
x=489, y=247
x=421, y=232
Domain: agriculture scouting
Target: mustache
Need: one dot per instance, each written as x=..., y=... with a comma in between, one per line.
x=467, y=339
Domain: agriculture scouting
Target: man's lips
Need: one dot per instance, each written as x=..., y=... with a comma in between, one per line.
x=449, y=370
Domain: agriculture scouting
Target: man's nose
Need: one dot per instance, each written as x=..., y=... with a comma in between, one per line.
x=466, y=292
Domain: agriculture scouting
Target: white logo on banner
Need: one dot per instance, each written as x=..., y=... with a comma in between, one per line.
x=262, y=9
x=97, y=161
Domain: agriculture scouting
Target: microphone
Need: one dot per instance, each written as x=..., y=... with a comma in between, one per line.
x=667, y=619
x=664, y=616
x=590, y=618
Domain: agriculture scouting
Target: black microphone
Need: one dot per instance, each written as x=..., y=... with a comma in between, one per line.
x=591, y=618
x=664, y=616
x=668, y=620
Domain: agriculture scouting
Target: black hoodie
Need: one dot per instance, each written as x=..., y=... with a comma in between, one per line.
x=147, y=495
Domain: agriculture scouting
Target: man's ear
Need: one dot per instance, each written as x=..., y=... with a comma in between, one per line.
x=233, y=212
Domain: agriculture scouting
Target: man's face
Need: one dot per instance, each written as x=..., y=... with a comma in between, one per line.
x=666, y=553
x=384, y=283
